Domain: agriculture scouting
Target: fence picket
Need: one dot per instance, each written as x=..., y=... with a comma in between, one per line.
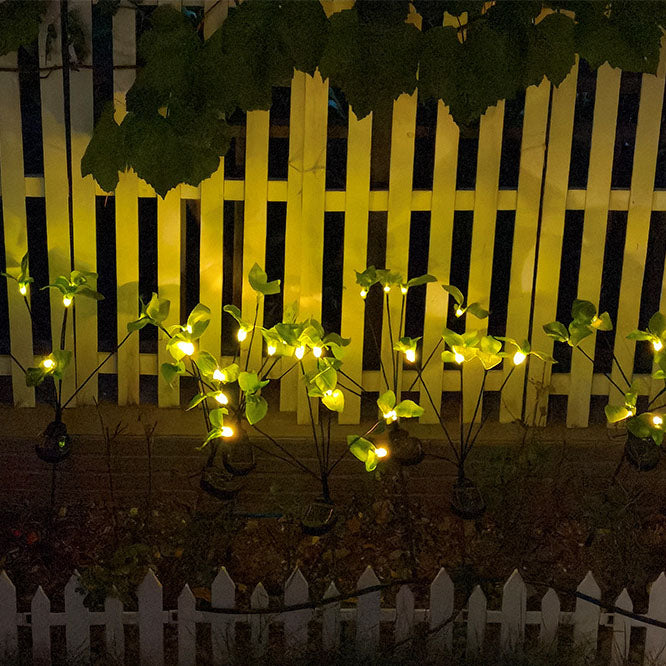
x=594, y=232
x=514, y=607
x=441, y=609
x=40, y=610
x=476, y=621
x=330, y=623
x=367, y=616
x=259, y=623
x=8, y=628
x=78, y=622
x=621, y=630
x=114, y=632
x=223, y=628
x=553, y=211
x=550, y=618
x=151, y=623
x=127, y=215
x=404, y=621
x=586, y=616
x=296, y=622
x=187, y=628
x=655, y=637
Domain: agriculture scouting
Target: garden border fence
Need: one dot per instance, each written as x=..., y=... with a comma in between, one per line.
x=367, y=617
x=540, y=201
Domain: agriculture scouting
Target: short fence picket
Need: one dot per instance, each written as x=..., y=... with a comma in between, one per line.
x=413, y=629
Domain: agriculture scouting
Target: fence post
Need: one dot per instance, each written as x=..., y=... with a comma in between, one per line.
x=151, y=623
x=367, y=616
x=115, y=632
x=187, y=628
x=655, y=637
x=78, y=622
x=8, y=628
x=586, y=616
x=550, y=620
x=441, y=609
x=476, y=621
x=404, y=621
x=330, y=626
x=259, y=623
x=40, y=620
x=223, y=627
x=296, y=622
x=514, y=603
x=621, y=630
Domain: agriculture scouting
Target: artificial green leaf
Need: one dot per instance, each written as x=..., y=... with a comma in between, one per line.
x=408, y=409
x=657, y=324
x=639, y=335
x=639, y=426
x=20, y=23
x=455, y=292
x=171, y=370
x=158, y=308
x=206, y=363
x=452, y=338
x=335, y=400
x=231, y=373
x=615, y=413
x=259, y=281
x=197, y=400
x=543, y=356
x=490, y=345
x=367, y=278
x=657, y=436
x=138, y=324
x=34, y=376
x=386, y=402
x=477, y=310
x=448, y=357
x=249, y=382
x=488, y=360
x=583, y=311
x=578, y=332
x=216, y=416
x=556, y=330
x=359, y=446
x=255, y=409
x=214, y=433
x=421, y=279
x=89, y=293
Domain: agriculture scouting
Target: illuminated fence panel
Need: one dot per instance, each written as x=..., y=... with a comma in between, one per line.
x=537, y=249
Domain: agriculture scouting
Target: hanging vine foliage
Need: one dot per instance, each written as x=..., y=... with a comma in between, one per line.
x=176, y=127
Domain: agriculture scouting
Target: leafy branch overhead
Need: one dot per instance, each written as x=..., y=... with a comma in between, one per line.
x=177, y=125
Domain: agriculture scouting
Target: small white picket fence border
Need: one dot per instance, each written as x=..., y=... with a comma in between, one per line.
x=367, y=617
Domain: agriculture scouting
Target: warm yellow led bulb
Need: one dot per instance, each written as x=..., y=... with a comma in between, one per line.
x=391, y=416
x=227, y=432
x=316, y=351
x=188, y=329
x=657, y=420
x=403, y=290
x=329, y=392
x=381, y=452
x=410, y=355
x=459, y=358
x=186, y=347
x=219, y=376
x=518, y=358
x=221, y=398
x=300, y=352
x=23, y=290
x=460, y=312
x=657, y=344
x=48, y=364
x=271, y=349
x=364, y=293
x=67, y=301
x=387, y=288
x=241, y=335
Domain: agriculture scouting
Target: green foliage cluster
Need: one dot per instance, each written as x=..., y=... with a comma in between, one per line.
x=177, y=124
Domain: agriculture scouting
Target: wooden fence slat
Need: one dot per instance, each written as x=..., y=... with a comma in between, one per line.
x=56, y=186
x=127, y=216
x=312, y=211
x=404, y=621
x=550, y=619
x=655, y=637
x=40, y=609
x=550, y=243
x=114, y=638
x=586, y=616
x=8, y=628
x=187, y=628
x=259, y=623
x=594, y=232
x=330, y=623
x=223, y=628
x=354, y=257
x=15, y=225
x=151, y=624
x=441, y=609
x=532, y=152
x=78, y=623
x=296, y=622
x=476, y=621
x=83, y=211
x=621, y=630
x=367, y=616
x=514, y=607
x=294, y=229
x=483, y=242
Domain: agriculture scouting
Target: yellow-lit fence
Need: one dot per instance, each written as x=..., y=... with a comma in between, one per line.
x=540, y=202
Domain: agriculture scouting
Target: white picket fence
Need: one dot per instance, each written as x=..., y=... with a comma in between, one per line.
x=367, y=618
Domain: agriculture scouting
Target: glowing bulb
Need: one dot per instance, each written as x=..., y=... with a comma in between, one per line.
x=403, y=290
x=518, y=358
x=657, y=420
x=219, y=376
x=329, y=392
x=657, y=344
x=300, y=352
x=410, y=355
x=364, y=293
x=23, y=290
x=381, y=452
x=67, y=301
x=387, y=288
x=241, y=335
x=271, y=349
x=48, y=364
x=391, y=416
x=227, y=432
x=186, y=347
x=188, y=329
x=460, y=312
x=459, y=358
x=221, y=398
x=316, y=351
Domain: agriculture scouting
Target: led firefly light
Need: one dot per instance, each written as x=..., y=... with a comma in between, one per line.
x=241, y=335
x=657, y=420
x=391, y=416
x=67, y=301
x=23, y=290
x=329, y=392
x=316, y=351
x=186, y=347
x=48, y=364
x=219, y=376
x=271, y=350
x=387, y=288
x=518, y=358
x=188, y=329
x=657, y=344
x=460, y=312
x=381, y=452
x=227, y=432
x=364, y=293
x=403, y=290
x=459, y=358
x=300, y=352
x=221, y=398
x=410, y=355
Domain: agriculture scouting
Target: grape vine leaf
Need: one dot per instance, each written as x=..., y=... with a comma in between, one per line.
x=19, y=23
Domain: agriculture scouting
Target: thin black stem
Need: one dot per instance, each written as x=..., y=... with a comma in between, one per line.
x=398, y=360
x=379, y=353
x=312, y=420
x=27, y=305
x=346, y=388
x=268, y=372
x=353, y=381
x=23, y=370
x=441, y=420
x=617, y=363
x=97, y=369
x=344, y=453
x=655, y=397
x=462, y=427
x=63, y=335
x=292, y=458
x=476, y=410
x=393, y=362
x=423, y=367
x=286, y=372
x=254, y=326
x=605, y=374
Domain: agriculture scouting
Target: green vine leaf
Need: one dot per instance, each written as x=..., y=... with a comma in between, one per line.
x=19, y=23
